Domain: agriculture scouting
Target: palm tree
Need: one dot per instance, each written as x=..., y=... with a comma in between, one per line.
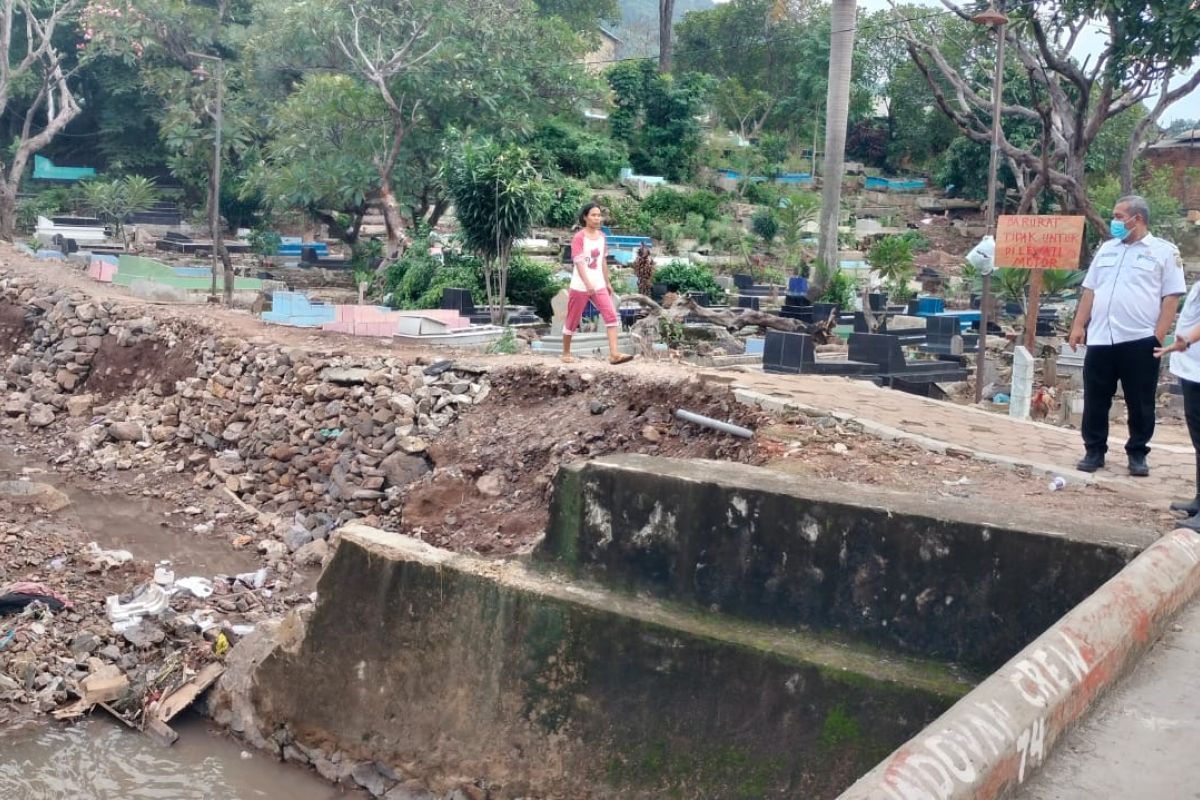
x=841, y=54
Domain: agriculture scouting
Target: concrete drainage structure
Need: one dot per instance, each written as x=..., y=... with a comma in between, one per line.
x=703, y=629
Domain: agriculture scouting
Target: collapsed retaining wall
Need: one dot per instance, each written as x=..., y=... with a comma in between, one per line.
x=762, y=545
x=433, y=666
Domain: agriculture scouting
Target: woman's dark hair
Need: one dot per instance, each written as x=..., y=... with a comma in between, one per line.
x=583, y=212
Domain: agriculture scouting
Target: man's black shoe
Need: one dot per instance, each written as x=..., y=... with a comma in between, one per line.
x=1138, y=467
x=1091, y=462
x=1189, y=507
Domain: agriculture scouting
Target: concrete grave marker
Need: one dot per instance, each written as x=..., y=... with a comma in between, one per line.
x=1022, y=384
x=559, y=307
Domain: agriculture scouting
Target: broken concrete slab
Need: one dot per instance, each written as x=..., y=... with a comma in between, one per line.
x=761, y=545
x=543, y=688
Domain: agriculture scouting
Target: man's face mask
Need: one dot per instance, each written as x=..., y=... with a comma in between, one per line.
x=1118, y=229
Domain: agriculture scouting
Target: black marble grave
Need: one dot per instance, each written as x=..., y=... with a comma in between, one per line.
x=940, y=331
x=885, y=352
x=795, y=354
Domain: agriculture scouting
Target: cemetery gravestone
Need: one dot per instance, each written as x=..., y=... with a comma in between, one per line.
x=1022, y=384
x=559, y=306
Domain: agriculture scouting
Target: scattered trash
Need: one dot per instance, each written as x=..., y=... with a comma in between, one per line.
x=253, y=580
x=203, y=619
x=1059, y=482
x=1001, y=399
x=163, y=574
x=7, y=638
x=241, y=630
x=201, y=588
x=963, y=481
x=18, y=596
x=145, y=600
x=221, y=645
x=102, y=560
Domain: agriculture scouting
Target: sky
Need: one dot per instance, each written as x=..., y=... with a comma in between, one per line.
x=1092, y=41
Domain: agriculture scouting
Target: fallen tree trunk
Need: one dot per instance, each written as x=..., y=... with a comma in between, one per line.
x=645, y=332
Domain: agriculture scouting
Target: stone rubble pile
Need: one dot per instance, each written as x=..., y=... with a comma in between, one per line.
x=315, y=438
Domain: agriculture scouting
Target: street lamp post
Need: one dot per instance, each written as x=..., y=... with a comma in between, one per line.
x=997, y=19
x=214, y=199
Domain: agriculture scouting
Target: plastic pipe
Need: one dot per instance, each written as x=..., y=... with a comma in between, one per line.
x=715, y=424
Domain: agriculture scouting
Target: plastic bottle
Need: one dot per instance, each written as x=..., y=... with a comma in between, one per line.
x=1059, y=482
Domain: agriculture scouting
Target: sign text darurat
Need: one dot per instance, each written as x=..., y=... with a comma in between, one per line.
x=1039, y=242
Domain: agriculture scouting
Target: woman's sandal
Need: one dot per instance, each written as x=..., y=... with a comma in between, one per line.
x=620, y=358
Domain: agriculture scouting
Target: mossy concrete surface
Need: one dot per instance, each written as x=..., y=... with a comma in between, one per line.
x=891, y=568
x=450, y=666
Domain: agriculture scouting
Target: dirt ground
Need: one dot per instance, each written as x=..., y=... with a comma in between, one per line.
x=490, y=491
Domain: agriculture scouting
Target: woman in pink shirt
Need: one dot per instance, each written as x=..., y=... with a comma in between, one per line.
x=590, y=281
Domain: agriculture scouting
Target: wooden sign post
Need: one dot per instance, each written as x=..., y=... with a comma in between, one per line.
x=1038, y=243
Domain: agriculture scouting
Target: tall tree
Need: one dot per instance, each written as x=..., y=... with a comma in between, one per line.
x=837, y=116
x=433, y=65
x=37, y=87
x=498, y=194
x=1149, y=47
x=666, y=22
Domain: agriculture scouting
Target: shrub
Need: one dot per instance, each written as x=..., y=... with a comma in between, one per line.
x=841, y=290
x=531, y=283
x=577, y=152
x=693, y=227
x=565, y=200
x=673, y=206
x=764, y=225
x=417, y=278
x=668, y=235
x=682, y=277
x=626, y=214
x=764, y=193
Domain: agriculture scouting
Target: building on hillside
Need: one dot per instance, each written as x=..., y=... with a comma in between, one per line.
x=605, y=53
x=1180, y=154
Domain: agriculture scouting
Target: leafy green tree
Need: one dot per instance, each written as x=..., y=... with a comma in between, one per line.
x=575, y=151
x=37, y=85
x=581, y=16
x=655, y=116
x=319, y=157
x=892, y=258
x=115, y=200
x=495, y=65
x=796, y=212
x=498, y=194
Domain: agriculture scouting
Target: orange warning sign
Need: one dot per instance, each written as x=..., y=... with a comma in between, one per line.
x=1039, y=242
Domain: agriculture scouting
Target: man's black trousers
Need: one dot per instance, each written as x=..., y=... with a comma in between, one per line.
x=1134, y=365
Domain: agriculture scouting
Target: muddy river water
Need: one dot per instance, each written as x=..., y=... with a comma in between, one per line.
x=101, y=760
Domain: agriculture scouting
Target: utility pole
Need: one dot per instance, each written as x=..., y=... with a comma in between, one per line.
x=214, y=184
x=999, y=21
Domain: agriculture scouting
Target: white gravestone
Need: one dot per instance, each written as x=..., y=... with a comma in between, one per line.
x=1022, y=384
x=559, y=306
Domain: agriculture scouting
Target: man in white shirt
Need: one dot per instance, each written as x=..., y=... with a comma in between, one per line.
x=1130, y=297
x=1185, y=364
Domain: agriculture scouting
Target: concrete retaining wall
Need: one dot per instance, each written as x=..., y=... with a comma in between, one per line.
x=761, y=545
x=449, y=667
x=991, y=741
